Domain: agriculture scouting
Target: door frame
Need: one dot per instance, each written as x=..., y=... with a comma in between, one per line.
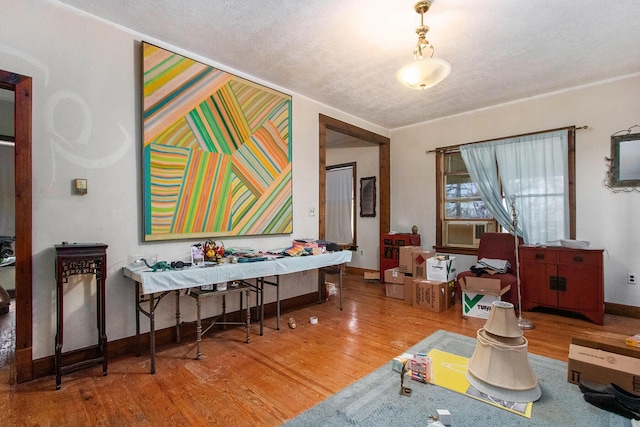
x=384, y=163
x=21, y=85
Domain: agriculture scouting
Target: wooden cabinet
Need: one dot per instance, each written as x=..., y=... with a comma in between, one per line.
x=563, y=278
x=390, y=248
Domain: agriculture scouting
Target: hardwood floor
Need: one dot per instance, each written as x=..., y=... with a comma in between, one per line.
x=272, y=379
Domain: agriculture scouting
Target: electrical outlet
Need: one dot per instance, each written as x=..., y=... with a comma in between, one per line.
x=632, y=278
x=312, y=211
x=361, y=252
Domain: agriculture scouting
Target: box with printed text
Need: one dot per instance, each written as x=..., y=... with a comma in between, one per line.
x=604, y=359
x=441, y=269
x=429, y=295
x=419, y=263
x=478, y=294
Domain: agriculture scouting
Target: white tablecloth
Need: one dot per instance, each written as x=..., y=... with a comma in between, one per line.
x=191, y=277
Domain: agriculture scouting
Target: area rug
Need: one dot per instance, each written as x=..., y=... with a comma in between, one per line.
x=375, y=399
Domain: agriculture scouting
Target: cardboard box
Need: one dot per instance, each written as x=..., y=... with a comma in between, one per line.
x=478, y=294
x=449, y=294
x=405, y=263
x=394, y=275
x=604, y=360
x=371, y=276
x=408, y=289
x=429, y=295
x=420, y=368
x=419, y=263
x=394, y=290
x=442, y=270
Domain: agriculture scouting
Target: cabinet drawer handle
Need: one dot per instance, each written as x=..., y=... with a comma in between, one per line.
x=539, y=256
x=578, y=258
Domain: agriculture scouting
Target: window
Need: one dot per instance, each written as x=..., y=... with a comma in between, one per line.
x=476, y=181
x=464, y=215
x=461, y=196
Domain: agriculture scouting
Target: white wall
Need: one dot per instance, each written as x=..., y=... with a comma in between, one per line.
x=368, y=229
x=86, y=124
x=605, y=219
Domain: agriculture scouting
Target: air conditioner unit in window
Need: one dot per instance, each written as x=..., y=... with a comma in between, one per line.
x=466, y=234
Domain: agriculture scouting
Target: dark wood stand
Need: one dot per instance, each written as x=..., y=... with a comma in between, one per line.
x=390, y=249
x=564, y=279
x=81, y=258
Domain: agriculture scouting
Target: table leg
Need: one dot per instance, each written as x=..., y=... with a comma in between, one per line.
x=177, y=316
x=260, y=301
x=138, y=319
x=152, y=334
x=224, y=312
x=340, y=274
x=277, y=303
x=59, y=333
x=248, y=322
x=198, y=328
x=320, y=284
x=102, y=324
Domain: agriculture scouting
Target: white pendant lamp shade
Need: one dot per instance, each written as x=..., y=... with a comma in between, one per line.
x=423, y=73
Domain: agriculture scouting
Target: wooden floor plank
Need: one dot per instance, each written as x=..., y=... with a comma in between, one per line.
x=275, y=377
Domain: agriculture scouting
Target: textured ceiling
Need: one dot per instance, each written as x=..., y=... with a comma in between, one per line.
x=345, y=53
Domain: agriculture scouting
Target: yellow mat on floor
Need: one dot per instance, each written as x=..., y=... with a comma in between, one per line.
x=449, y=371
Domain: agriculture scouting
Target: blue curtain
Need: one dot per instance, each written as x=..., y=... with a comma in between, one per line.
x=533, y=168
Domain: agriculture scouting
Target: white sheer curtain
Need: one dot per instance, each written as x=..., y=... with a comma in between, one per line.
x=534, y=168
x=339, y=208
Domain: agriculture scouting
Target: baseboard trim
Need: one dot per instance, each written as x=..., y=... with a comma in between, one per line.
x=622, y=310
x=46, y=366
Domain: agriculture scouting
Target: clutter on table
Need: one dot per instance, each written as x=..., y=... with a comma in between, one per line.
x=210, y=253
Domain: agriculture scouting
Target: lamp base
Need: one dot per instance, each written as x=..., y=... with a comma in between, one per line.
x=525, y=324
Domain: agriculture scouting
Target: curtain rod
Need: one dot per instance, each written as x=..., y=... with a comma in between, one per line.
x=455, y=147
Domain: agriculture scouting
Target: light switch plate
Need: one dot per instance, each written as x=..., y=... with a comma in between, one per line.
x=81, y=186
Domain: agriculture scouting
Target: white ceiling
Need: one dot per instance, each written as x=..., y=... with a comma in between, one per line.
x=345, y=53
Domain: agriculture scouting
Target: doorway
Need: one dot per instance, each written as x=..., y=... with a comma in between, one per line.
x=21, y=86
x=383, y=144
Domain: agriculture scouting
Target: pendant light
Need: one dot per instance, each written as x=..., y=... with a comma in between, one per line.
x=424, y=71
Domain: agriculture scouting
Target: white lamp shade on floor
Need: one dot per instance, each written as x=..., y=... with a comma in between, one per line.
x=499, y=366
x=502, y=320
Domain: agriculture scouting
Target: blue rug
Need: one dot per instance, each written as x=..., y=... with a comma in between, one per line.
x=375, y=400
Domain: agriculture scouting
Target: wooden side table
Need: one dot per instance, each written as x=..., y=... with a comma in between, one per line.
x=81, y=258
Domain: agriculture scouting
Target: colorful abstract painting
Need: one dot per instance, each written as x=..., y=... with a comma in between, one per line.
x=217, y=152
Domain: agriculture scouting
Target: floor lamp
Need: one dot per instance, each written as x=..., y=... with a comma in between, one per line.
x=523, y=323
